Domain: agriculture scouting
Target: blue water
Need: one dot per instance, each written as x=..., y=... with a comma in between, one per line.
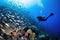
x=52, y=25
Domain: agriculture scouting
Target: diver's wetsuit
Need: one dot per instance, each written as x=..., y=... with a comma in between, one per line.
x=40, y=18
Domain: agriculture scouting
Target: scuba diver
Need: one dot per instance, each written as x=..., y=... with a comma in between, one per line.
x=40, y=18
